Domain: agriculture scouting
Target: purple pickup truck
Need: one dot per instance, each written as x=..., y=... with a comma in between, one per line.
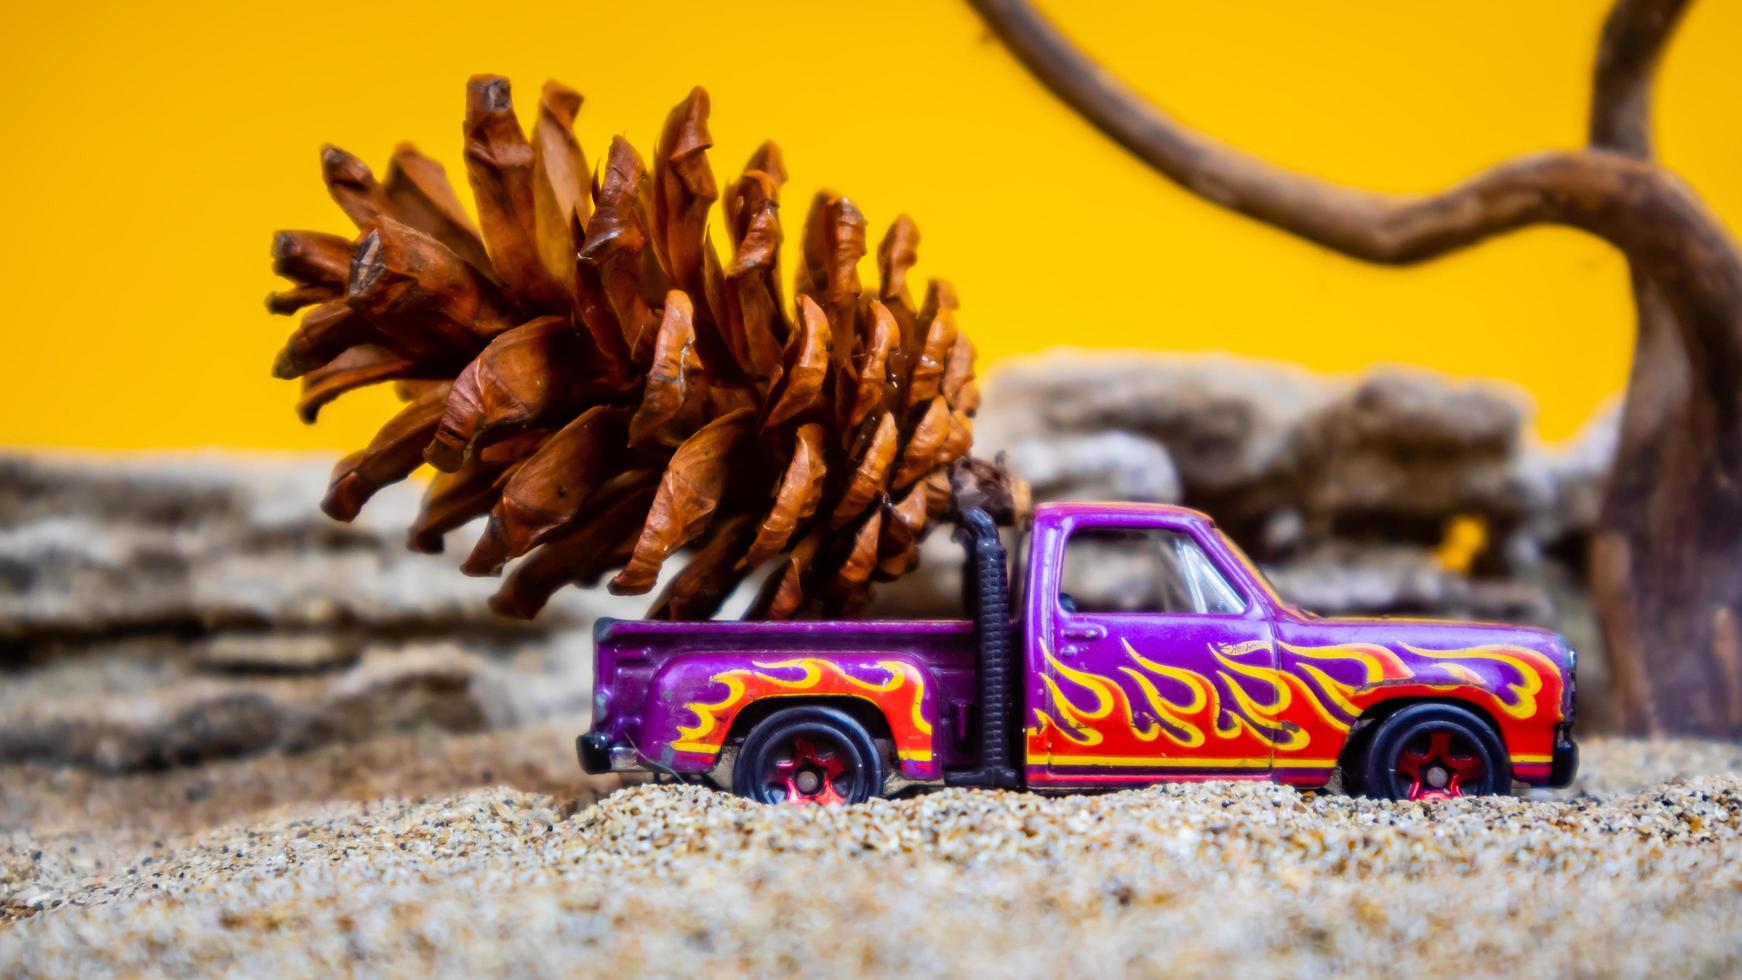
x=1138, y=646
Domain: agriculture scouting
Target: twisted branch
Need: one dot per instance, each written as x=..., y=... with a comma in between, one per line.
x=1634, y=36
x=1639, y=208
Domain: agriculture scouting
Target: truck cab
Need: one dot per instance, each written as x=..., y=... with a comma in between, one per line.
x=1139, y=646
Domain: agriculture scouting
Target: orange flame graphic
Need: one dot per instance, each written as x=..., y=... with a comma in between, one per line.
x=899, y=694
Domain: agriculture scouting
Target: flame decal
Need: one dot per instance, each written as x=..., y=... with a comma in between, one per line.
x=1522, y=704
x=1378, y=664
x=690, y=737
x=1108, y=694
x=896, y=687
x=1172, y=714
x=1290, y=706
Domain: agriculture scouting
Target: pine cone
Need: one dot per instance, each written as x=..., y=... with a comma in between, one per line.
x=580, y=366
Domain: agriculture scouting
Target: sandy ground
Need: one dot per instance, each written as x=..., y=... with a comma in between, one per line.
x=487, y=853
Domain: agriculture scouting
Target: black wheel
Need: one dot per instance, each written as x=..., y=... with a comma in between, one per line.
x=807, y=755
x=1434, y=752
x=1353, y=761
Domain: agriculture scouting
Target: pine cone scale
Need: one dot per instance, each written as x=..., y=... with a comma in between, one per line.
x=418, y=193
x=689, y=492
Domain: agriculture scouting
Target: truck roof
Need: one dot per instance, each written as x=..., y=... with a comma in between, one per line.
x=1078, y=508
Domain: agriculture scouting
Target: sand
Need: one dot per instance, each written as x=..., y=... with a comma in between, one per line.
x=491, y=853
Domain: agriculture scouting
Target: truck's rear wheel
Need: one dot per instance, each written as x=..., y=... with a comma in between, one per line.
x=808, y=754
x=1434, y=752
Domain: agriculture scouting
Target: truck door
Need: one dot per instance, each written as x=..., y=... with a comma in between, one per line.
x=1158, y=666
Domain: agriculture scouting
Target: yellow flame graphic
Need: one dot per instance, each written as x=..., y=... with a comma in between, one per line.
x=697, y=737
x=1170, y=712
x=1379, y=663
x=1524, y=691
x=707, y=719
x=1108, y=694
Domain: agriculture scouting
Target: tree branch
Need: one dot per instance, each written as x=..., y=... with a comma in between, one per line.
x=1659, y=395
x=1632, y=43
x=1634, y=36
x=1642, y=210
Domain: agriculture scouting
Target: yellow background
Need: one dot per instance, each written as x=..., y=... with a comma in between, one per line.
x=151, y=150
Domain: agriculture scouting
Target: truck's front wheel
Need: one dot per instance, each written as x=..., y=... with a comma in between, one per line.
x=1434, y=751
x=808, y=754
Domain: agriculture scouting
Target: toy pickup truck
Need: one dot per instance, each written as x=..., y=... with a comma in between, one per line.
x=1141, y=647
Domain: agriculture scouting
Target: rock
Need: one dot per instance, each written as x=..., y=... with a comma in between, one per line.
x=1283, y=458
x=1398, y=454
x=276, y=653
x=104, y=545
x=1392, y=454
x=1224, y=423
x=198, y=719
x=1097, y=466
x=173, y=610
x=1354, y=579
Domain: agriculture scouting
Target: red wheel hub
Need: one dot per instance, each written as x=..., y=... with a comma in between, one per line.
x=808, y=771
x=1438, y=766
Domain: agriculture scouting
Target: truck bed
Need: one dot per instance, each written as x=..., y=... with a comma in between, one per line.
x=632, y=654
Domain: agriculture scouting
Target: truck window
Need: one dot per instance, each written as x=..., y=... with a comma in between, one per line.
x=1153, y=570
x=1257, y=575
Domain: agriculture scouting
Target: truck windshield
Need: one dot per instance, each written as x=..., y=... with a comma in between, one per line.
x=1257, y=577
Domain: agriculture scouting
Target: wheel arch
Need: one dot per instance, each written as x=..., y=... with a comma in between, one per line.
x=858, y=707
x=701, y=704
x=1353, y=754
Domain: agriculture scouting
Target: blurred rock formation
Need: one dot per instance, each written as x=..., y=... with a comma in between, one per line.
x=163, y=610
x=158, y=611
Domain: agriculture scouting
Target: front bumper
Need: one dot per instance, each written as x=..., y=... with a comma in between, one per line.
x=599, y=755
x=594, y=749
x=1565, y=763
